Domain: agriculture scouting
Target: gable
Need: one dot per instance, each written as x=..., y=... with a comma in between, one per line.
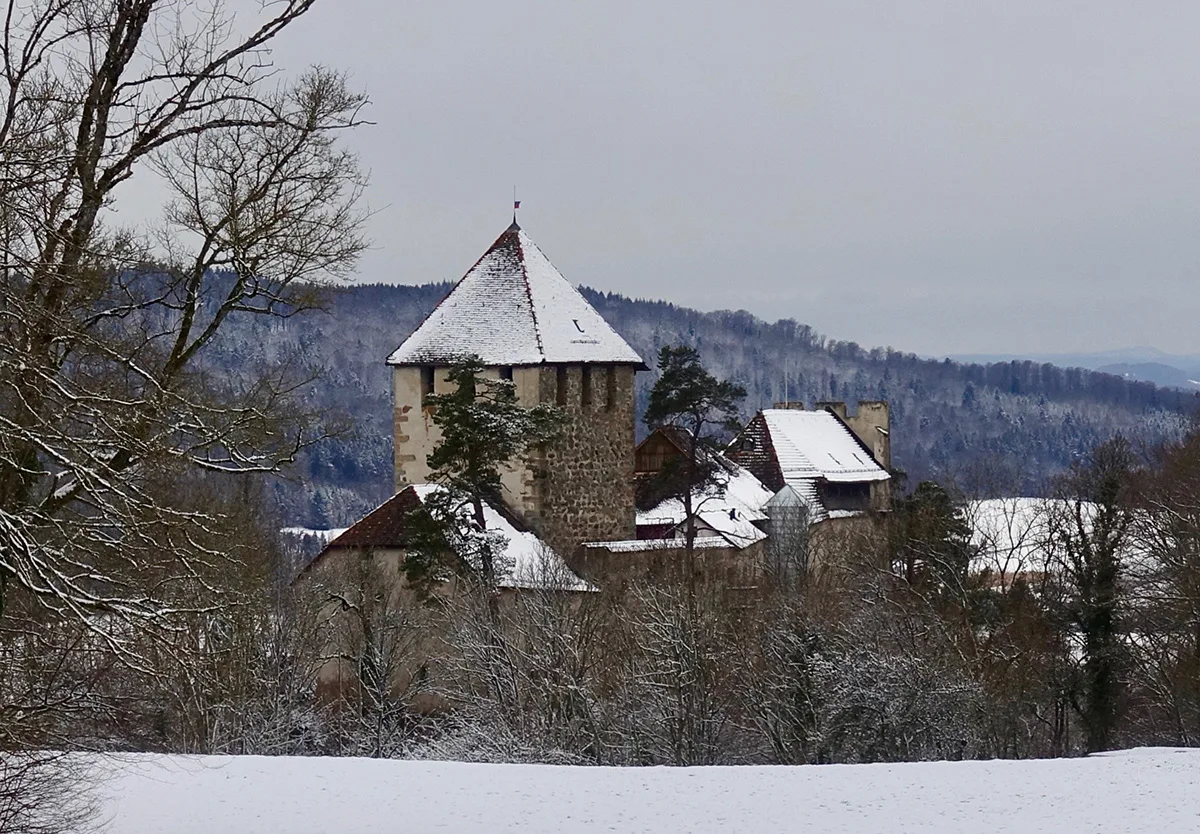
x=753, y=449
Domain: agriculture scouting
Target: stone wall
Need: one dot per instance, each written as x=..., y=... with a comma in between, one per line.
x=871, y=423
x=416, y=436
x=581, y=486
x=622, y=572
x=584, y=479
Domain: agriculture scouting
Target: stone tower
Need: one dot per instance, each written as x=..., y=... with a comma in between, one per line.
x=518, y=314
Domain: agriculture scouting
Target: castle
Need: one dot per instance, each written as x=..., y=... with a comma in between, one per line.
x=578, y=495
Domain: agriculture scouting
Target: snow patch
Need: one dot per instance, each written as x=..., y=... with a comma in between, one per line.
x=323, y=536
x=1134, y=791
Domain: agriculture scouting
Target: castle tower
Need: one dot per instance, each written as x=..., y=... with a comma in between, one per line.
x=518, y=314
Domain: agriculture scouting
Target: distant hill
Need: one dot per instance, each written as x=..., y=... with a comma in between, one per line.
x=1143, y=364
x=998, y=428
x=1165, y=376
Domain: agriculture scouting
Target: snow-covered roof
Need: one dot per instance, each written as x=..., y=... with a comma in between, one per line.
x=528, y=562
x=730, y=509
x=816, y=444
x=803, y=494
x=645, y=545
x=514, y=308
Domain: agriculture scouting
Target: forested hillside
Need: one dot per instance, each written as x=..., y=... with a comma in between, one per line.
x=990, y=429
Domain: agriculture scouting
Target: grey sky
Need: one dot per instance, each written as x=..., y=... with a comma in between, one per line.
x=939, y=177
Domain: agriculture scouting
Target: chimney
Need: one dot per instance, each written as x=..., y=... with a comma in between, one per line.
x=838, y=408
x=790, y=406
x=871, y=424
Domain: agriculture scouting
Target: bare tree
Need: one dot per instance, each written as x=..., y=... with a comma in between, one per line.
x=378, y=639
x=684, y=671
x=46, y=793
x=101, y=374
x=537, y=694
x=1164, y=582
x=107, y=397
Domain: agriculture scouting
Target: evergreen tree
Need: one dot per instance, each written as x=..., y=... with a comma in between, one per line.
x=1091, y=530
x=484, y=429
x=701, y=411
x=931, y=540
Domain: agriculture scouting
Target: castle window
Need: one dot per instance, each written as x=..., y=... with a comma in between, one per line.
x=561, y=393
x=610, y=388
x=426, y=381
x=586, y=397
x=506, y=372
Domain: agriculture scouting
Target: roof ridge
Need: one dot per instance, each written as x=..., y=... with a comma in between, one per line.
x=537, y=330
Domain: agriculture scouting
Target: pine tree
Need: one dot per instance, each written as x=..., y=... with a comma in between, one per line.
x=1092, y=533
x=483, y=430
x=931, y=540
x=698, y=408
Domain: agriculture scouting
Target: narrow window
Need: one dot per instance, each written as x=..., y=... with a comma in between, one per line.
x=561, y=394
x=586, y=383
x=426, y=381
x=610, y=388
x=506, y=372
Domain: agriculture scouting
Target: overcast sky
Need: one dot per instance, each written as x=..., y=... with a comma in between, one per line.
x=952, y=177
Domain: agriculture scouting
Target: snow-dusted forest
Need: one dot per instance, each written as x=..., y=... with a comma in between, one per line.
x=991, y=430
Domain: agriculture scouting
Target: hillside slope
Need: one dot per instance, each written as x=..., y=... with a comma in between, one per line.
x=1132, y=791
x=995, y=429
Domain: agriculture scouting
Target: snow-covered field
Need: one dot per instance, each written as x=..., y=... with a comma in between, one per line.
x=1149, y=790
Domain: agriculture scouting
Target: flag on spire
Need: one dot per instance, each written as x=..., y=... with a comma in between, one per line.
x=516, y=204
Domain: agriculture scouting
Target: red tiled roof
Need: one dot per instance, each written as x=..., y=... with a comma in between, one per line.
x=755, y=450
x=385, y=526
x=533, y=565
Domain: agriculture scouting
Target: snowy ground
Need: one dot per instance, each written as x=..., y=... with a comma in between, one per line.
x=1150, y=790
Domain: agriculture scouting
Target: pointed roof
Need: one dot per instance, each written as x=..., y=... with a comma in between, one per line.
x=514, y=308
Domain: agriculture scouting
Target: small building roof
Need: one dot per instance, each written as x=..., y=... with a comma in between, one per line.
x=530, y=563
x=649, y=545
x=817, y=444
x=514, y=308
x=730, y=508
